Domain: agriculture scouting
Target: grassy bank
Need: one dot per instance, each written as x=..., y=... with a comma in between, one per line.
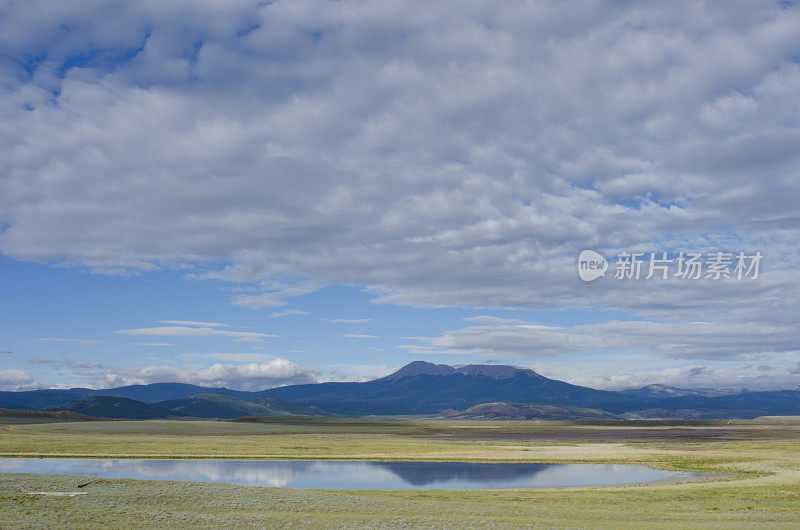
x=761, y=461
x=126, y=503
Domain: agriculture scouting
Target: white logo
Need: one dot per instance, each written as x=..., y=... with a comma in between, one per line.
x=591, y=265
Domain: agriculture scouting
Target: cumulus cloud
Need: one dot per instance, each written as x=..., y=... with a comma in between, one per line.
x=248, y=376
x=256, y=375
x=441, y=155
x=17, y=380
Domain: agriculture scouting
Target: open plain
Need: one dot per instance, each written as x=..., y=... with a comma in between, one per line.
x=754, y=476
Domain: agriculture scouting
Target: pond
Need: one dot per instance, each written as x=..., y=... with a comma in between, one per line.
x=329, y=474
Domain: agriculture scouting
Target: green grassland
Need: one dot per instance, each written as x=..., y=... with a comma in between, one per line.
x=756, y=481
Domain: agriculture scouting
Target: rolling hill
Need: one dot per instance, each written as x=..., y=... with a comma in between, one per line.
x=114, y=407
x=31, y=416
x=532, y=411
x=222, y=406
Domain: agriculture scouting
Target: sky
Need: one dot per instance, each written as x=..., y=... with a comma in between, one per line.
x=252, y=194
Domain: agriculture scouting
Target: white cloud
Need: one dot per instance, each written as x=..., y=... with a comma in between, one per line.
x=486, y=319
x=60, y=340
x=682, y=340
x=186, y=331
x=258, y=301
x=249, y=376
x=17, y=380
x=356, y=372
x=265, y=373
x=288, y=312
x=68, y=364
x=195, y=323
x=767, y=376
x=168, y=344
x=359, y=336
x=272, y=291
x=348, y=320
x=231, y=357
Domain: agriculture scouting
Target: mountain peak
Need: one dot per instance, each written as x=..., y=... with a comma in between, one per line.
x=420, y=368
x=483, y=370
x=496, y=371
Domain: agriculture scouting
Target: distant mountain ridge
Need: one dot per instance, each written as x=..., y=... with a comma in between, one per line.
x=426, y=388
x=209, y=406
x=657, y=390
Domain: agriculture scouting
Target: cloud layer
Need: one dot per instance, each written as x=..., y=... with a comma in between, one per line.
x=679, y=340
x=247, y=376
x=750, y=376
x=439, y=154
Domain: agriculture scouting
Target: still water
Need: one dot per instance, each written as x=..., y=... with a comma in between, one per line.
x=349, y=474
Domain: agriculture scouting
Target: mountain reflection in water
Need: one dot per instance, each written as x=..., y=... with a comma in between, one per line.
x=424, y=473
x=322, y=474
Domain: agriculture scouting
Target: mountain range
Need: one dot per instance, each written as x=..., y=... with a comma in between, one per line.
x=419, y=388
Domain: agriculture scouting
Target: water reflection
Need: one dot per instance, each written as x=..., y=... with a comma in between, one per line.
x=424, y=473
x=348, y=474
